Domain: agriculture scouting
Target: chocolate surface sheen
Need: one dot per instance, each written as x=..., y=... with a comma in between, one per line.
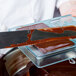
x=53, y=45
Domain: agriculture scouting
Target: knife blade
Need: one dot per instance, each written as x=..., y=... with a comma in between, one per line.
x=31, y=37
x=37, y=35
x=13, y=37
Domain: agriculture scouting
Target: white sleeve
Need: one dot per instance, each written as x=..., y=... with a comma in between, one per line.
x=59, y=2
x=3, y=28
x=44, y=9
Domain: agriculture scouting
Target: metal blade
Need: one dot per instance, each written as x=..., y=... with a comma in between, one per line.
x=15, y=37
x=37, y=34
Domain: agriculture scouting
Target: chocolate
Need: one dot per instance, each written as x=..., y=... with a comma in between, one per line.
x=53, y=45
x=34, y=71
x=15, y=62
x=25, y=71
x=59, y=29
x=29, y=41
x=65, y=32
x=35, y=26
x=50, y=44
x=62, y=69
x=3, y=71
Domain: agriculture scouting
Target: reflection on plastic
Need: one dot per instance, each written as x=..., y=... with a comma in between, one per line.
x=72, y=61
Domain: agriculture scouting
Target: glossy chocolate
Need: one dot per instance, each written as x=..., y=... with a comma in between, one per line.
x=34, y=71
x=62, y=69
x=35, y=26
x=45, y=34
x=54, y=30
x=3, y=71
x=53, y=45
x=15, y=62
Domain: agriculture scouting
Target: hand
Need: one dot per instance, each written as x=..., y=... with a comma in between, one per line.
x=68, y=8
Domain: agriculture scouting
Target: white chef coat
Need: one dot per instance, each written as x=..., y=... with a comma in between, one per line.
x=20, y=12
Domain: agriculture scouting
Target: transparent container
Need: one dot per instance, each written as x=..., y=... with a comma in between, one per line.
x=52, y=57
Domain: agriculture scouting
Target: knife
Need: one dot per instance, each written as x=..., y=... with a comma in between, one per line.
x=31, y=37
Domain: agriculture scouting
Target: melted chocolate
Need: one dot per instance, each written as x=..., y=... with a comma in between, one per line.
x=53, y=45
x=35, y=26
x=25, y=71
x=31, y=27
x=15, y=61
x=3, y=71
x=55, y=30
x=59, y=29
x=62, y=69
x=66, y=32
x=34, y=71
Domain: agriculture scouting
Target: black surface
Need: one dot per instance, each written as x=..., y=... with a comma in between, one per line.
x=3, y=71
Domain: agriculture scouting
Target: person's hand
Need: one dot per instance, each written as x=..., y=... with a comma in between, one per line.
x=68, y=8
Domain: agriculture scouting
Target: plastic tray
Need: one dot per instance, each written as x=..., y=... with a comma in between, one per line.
x=50, y=58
